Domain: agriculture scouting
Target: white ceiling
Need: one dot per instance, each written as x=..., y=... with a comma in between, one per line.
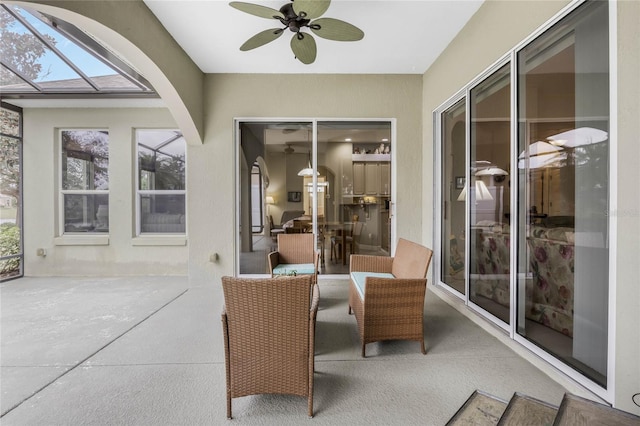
x=401, y=37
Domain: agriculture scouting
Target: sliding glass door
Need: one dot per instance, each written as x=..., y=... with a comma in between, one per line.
x=489, y=203
x=527, y=154
x=453, y=125
x=332, y=178
x=563, y=167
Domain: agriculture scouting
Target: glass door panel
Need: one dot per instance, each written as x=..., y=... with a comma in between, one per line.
x=490, y=153
x=563, y=158
x=453, y=196
x=271, y=189
x=302, y=185
x=354, y=191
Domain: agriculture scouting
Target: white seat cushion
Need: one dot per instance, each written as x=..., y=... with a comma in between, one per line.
x=298, y=268
x=360, y=279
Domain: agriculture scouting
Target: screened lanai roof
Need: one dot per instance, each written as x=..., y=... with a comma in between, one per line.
x=42, y=55
x=167, y=142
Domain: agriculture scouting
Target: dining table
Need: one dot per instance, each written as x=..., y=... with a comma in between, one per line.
x=340, y=230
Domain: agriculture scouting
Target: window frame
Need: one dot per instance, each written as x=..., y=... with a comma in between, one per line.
x=68, y=235
x=160, y=238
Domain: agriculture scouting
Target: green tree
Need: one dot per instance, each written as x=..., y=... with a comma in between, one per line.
x=20, y=49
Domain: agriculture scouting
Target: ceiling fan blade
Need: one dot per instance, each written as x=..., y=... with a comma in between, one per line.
x=256, y=10
x=304, y=47
x=310, y=9
x=335, y=29
x=261, y=39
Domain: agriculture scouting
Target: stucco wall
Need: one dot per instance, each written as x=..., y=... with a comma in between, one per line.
x=120, y=256
x=211, y=182
x=627, y=212
x=497, y=27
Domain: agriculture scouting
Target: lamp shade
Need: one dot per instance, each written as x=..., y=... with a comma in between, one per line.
x=492, y=171
x=270, y=200
x=541, y=154
x=307, y=171
x=578, y=137
x=481, y=193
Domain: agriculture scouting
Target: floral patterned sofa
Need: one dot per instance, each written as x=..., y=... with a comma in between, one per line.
x=490, y=262
x=550, y=278
x=551, y=263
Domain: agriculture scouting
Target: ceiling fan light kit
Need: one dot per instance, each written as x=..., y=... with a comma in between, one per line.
x=296, y=16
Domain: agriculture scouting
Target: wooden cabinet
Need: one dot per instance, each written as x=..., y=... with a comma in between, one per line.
x=358, y=178
x=371, y=178
x=385, y=178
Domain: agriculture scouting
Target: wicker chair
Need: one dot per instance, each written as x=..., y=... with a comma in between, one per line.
x=296, y=252
x=387, y=294
x=269, y=336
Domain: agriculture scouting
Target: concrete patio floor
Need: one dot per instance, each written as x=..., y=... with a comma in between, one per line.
x=149, y=351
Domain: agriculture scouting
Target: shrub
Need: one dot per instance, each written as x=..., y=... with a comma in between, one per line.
x=9, y=244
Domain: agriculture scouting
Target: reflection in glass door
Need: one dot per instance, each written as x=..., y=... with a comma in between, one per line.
x=341, y=190
x=489, y=203
x=563, y=254
x=453, y=196
x=11, y=246
x=354, y=191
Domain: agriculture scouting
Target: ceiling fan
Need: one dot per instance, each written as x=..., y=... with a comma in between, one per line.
x=296, y=16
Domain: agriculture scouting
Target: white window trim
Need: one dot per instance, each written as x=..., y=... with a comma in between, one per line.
x=156, y=238
x=76, y=238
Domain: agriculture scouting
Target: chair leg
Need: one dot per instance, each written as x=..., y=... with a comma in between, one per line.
x=424, y=350
x=229, y=406
x=350, y=311
x=363, y=350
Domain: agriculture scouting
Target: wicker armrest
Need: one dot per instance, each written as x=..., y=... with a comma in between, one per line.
x=315, y=300
x=394, y=286
x=274, y=260
x=365, y=263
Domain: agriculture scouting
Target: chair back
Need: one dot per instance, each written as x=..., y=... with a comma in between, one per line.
x=268, y=334
x=288, y=215
x=411, y=260
x=296, y=248
x=357, y=229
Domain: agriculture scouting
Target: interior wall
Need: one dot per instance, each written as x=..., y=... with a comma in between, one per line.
x=497, y=27
x=120, y=256
x=211, y=175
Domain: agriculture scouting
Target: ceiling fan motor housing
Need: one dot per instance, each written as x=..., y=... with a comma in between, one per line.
x=291, y=20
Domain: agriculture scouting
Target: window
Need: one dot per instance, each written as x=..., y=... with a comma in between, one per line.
x=161, y=188
x=84, y=195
